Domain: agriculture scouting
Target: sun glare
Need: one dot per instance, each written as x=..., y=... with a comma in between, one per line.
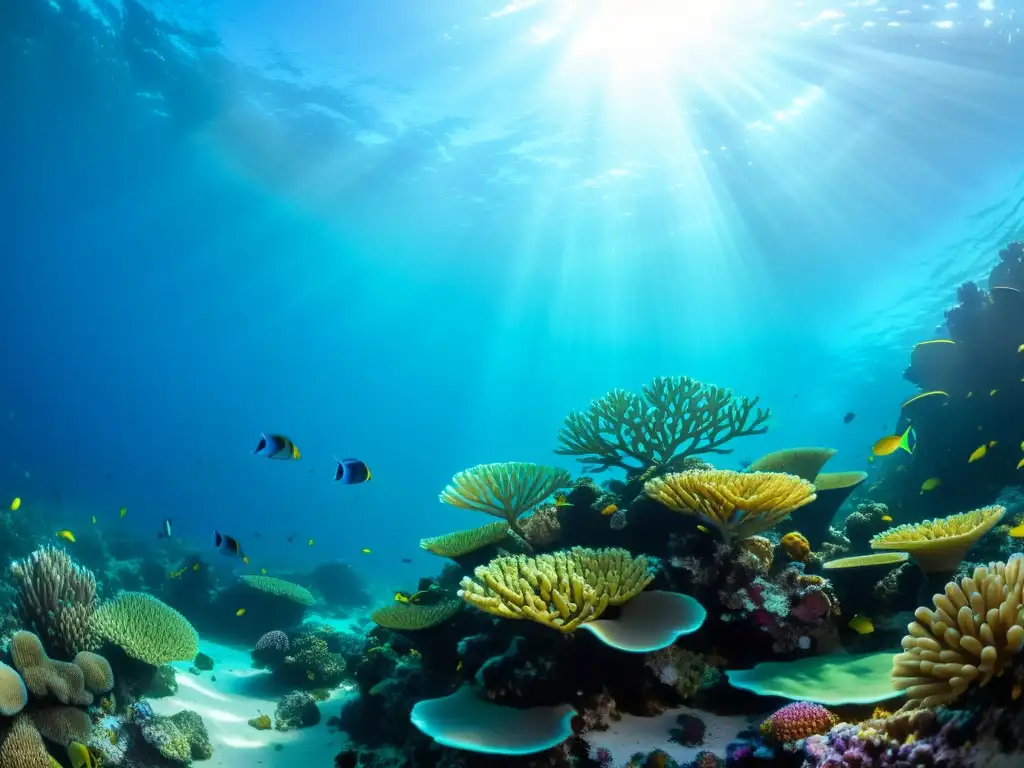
x=642, y=37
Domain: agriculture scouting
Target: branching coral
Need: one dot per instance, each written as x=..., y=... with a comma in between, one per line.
x=673, y=417
x=561, y=590
x=738, y=504
x=940, y=545
x=57, y=599
x=973, y=634
x=505, y=490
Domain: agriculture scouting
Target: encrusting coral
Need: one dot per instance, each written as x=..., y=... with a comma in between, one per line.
x=674, y=417
x=738, y=504
x=459, y=543
x=560, y=590
x=940, y=545
x=147, y=629
x=973, y=634
x=506, y=489
x=57, y=599
x=280, y=588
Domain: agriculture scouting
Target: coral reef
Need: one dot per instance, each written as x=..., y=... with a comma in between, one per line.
x=297, y=709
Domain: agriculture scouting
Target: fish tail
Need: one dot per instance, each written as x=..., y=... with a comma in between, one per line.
x=906, y=438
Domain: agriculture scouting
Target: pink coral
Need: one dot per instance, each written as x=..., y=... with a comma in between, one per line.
x=798, y=721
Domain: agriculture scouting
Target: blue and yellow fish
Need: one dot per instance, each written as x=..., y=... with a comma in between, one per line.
x=277, y=447
x=351, y=472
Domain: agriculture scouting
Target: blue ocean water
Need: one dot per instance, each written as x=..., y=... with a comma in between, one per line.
x=421, y=233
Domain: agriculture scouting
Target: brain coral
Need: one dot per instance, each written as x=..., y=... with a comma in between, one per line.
x=13, y=695
x=798, y=721
x=99, y=677
x=45, y=676
x=280, y=588
x=22, y=746
x=147, y=629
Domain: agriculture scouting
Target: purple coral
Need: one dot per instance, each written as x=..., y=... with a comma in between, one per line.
x=271, y=648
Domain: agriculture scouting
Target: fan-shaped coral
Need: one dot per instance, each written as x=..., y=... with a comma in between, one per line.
x=415, y=616
x=973, y=634
x=147, y=629
x=940, y=545
x=459, y=543
x=561, y=590
x=674, y=417
x=57, y=599
x=280, y=588
x=505, y=490
x=44, y=676
x=738, y=504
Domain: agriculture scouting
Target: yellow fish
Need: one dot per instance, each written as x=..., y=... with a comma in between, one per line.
x=862, y=625
x=401, y=597
x=611, y=509
x=887, y=445
x=309, y=543
x=1020, y=349
x=240, y=612
x=245, y=559
x=196, y=567
x=67, y=535
x=560, y=501
x=993, y=443
x=94, y=519
x=992, y=392
x=886, y=518
x=1022, y=445
x=1017, y=532
x=80, y=756
x=263, y=571
x=930, y=484
x=979, y=453
x=703, y=529
x=124, y=511
x=366, y=550
x=15, y=505
x=458, y=667
x=1020, y=464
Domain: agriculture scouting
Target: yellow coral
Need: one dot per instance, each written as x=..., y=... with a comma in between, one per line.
x=738, y=504
x=973, y=634
x=940, y=545
x=795, y=545
x=147, y=629
x=561, y=590
x=505, y=490
x=459, y=543
x=413, y=616
x=280, y=588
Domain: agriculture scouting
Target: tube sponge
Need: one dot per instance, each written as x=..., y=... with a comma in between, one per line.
x=561, y=590
x=973, y=634
x=147, y=629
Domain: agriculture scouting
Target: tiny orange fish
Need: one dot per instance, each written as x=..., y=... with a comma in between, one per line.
x=611, y=509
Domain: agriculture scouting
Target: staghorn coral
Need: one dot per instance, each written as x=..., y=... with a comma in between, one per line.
x=280, y=588
x=147, y=629
x=13, y=694
x=673, y=418
x=940, y=545
x=62, y=725
x=738, y=504
x=21, y=746
x=412, y=616
x=973, y=634
x=44, y=676
x=99, y=677
x=57, y=599
x=459, y=543
x=561, y=590
x=506, y=489
x=796, y=721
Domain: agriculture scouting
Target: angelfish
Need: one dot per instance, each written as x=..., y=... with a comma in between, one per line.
x=276, y=447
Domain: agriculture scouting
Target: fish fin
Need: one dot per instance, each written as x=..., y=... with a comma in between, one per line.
x=218, y=539
x=262, y=444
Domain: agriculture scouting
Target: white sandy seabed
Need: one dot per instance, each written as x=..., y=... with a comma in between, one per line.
x=233, y=693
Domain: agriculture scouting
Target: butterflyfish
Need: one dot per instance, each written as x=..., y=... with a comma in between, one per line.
x=887, y=445
x=862, y=625
x=611, y=509
x=351, y=472
x=228, y=545
x=16, y=504
x=240, y=612
x=979, y=453
x=66, y=535
x=930, y=484
x=276, y=447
